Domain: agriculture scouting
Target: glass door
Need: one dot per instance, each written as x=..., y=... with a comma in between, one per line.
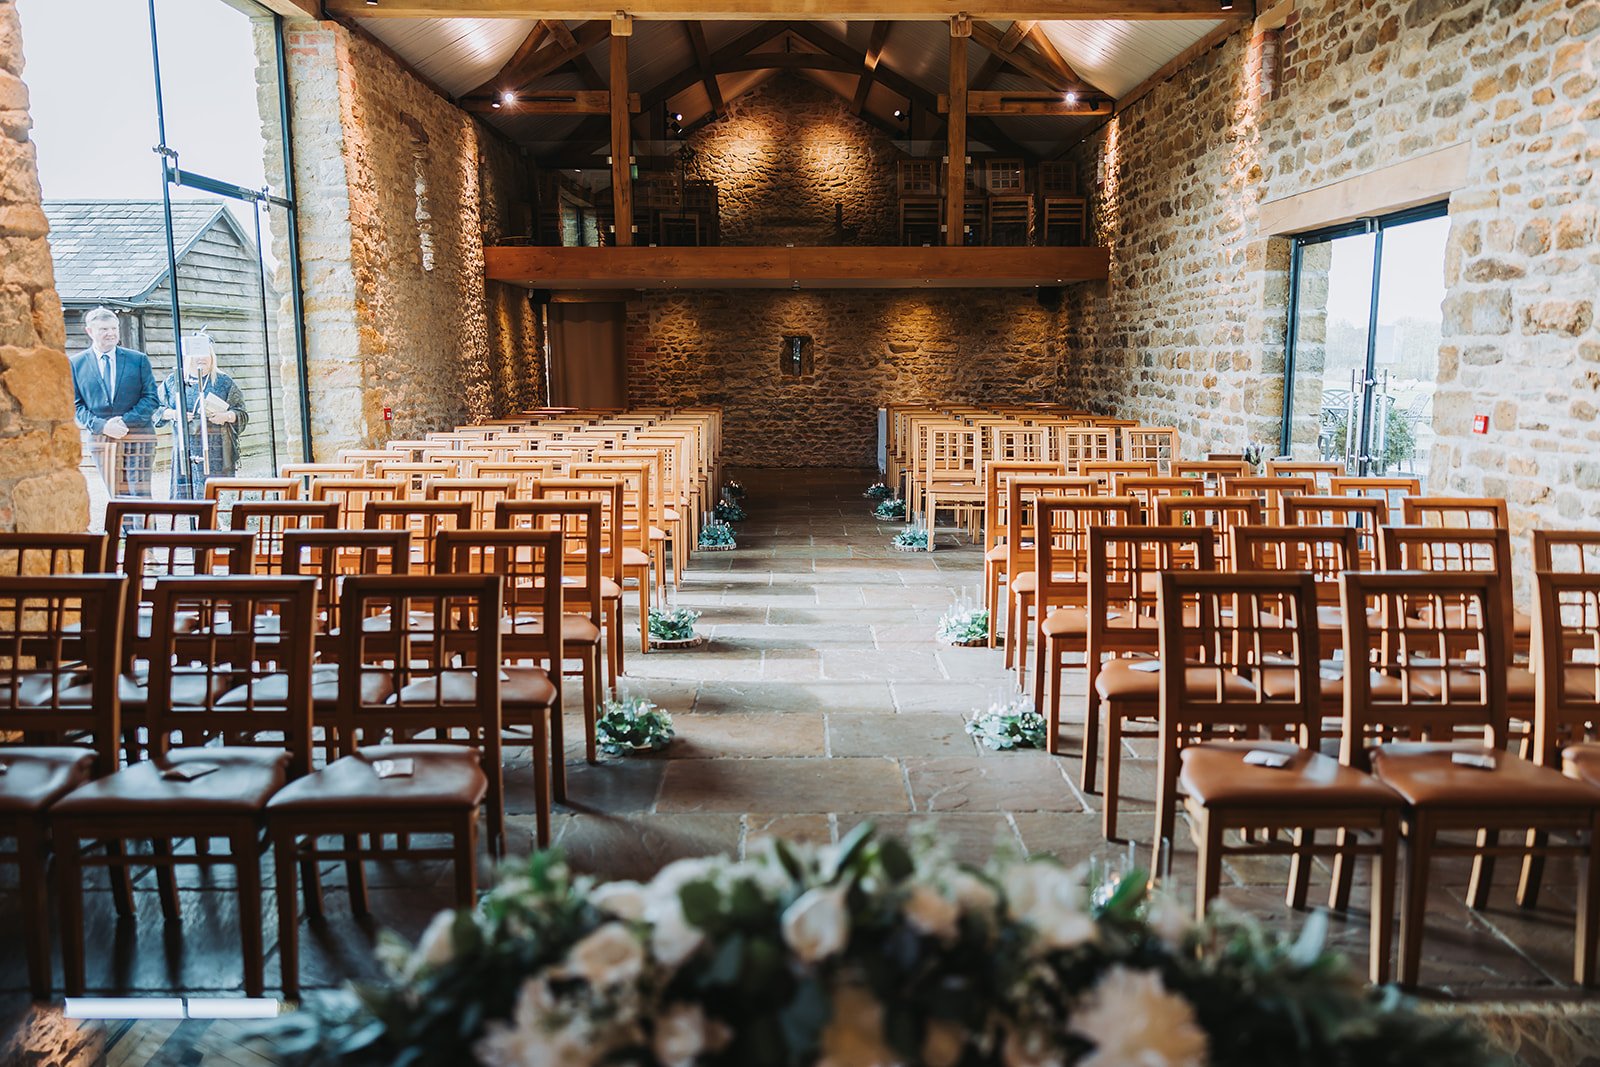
x=1365, y=318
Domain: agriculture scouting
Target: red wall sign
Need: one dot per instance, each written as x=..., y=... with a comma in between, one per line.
x=1480, y=423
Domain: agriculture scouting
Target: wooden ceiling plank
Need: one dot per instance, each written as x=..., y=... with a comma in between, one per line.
x=1177, y=63
x=744, y=10
x=552, y=57
x=708, y=74
x=869, y=64
x=508, y=70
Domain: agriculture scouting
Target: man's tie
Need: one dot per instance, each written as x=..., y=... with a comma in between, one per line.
x=105, y=375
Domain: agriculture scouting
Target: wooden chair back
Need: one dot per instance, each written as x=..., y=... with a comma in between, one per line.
x=1124, y=567
x=1212, y=471
x=582, y=528
x=605, y=492
x=354, y=494
x=228, y=492
x=372, y=460
x=1076, y=445
x=414, y=476
x=306, y=473
x=1455, y=511
x=27, y=554
x=1150, y=444
x=1365, y=514
x=151, y=556
x=1272, y=491
x=1321, y=473
x=1221, y=513
x=331, y=556
x=269, y=520
x=1392, y=491
x=1567, y=551
x=1011, y=443
x=1567, y=636
x=1147, y=490
x=481, y=494
x=633, y=482
x=424, y=518
x=1444, y=550
x=1061, y=544
x=126, y=514
x=996, y=475
x=1106, y=472
x=530, y=563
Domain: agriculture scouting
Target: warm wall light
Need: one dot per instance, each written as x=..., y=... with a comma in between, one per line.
x=510, y=98
x=1072, y=98
x=899, y=114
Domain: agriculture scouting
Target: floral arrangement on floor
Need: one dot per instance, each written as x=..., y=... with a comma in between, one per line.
x=717, y=536
x=877, y=491
x=733, y=490
x=890, y=509
x=728, y=511
x=964, y=624
x=672, y=624
x=862, y=953
x=1008, y=724
x=632, y=724
x=911, y=537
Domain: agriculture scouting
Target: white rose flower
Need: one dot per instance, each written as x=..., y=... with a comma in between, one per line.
x=672, y=938
x=680, y=1036
x=817, y=925
x=679, y=873
x=611, y=956
x=535, y=1036
x=1051, y=900
x=436, y=947
x=931, y=912
x=1168, y=920
x=1134, y=1022
x=972, y=892
x=625, y=900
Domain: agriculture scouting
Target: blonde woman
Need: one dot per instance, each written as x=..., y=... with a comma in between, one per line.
x=216, y=416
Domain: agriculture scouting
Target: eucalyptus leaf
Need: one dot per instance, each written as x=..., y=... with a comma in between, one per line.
x=702, y=903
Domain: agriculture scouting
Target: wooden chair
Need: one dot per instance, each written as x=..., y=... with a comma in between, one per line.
x=608, y=494
x=1061, y=528
x=526, y=473
x=353, y=494
x=226, y=492
x=25, y=554
x=191, y=788
x=371, y=460
x=1075, y=445
x=529, y=563
x=582, y=529
x=1249, y=656
x=1123, y=624
x=1566, y=551
x=1481, y=549
x=306, y=473
x=443, y=678
x=1221, y=513
x=1108, y=472
x=414, y=476
x=1366, y=515
x=481, y=493
x=996, y=473
x=127, y=514
x=1272, y=491
x=1150, y=444
x=56, y=632
x=633, y=482
x=1212, y=471
x=151, y=556
x=951, y=476
x=424, y=518
x=1392, y=491
x=1440, y=640
x=1473, y=512
x=1020, y=590
x=268, y=520
x=1321, y=473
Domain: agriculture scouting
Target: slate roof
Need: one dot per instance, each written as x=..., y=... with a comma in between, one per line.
x=115, y=251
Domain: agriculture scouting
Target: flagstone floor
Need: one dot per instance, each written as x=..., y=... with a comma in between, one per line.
x=821, y=699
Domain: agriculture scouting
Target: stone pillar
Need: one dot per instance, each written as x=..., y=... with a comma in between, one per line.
x=41, y=488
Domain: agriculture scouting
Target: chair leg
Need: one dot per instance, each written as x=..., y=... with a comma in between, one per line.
x=286, y=868
x=1343, y=871
x=644, y=612
x=1532, y=870
x=991, y=574
x=591, y=714
x=1584, y=963
x=1051, y=704
x=121, y=884
x=1166, y=798
x=1210, y=878
x=311, y=879
x=247, y=864
x=1482, y=870
x=1038, y=673
x=1414, y=898
x=166, y=878
x=1091, y=733
x=1010, y=643
x=558, y=757
x=1385, y=870
x=1305, y=840
x=1022, y=642
x=1112, y=750
x=541, y=784
x=33, y=883
x=356, y=875
x=69, y=869
x=465, y=840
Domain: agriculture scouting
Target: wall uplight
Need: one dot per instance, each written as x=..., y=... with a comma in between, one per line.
x=899, y=114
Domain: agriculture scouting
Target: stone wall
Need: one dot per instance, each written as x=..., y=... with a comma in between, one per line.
x=868, y=348
x=794, y=166
x=1190, y=328
x=515, y=367
x=41, y=489
x=393, y=213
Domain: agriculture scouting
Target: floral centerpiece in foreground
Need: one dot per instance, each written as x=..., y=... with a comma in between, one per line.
x=631, y=724
x=865, y=952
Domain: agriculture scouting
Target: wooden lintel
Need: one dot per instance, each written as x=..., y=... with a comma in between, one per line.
x=552, y=102
x=744, y=11
x=1020, y=28
x=1420, y=180
x=1027, y=103
x=731, y=267
x=294, y=9
x=1274, y=17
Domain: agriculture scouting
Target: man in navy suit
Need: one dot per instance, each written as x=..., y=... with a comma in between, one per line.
x=114, y=392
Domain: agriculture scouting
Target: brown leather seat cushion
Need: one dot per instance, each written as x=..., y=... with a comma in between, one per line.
x=443, y=776
x=996, y=554
x=242, y=782
x=1522, y=687
x=610, y=590
x=575, y=629
x=33, y=689
x=1582, y=761
x=1119, y=681
x=1216, y=773
x=520, y=687
x=376, y=687
x=1064, y=622
x=193, y=690
x=1425, y=776
x=1025, y=582
x=1279, y=682
x=634, y=557
x=38, y=776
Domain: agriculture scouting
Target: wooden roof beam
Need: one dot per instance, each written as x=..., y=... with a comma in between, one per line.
x=869, y=64
x=744, y=10
x=510, y=71
x=1029, y=63
x=708, y=74
x=580, y=61
x=547, y=60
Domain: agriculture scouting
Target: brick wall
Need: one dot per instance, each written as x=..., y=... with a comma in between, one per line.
x=1190, y=327
x=41, y=489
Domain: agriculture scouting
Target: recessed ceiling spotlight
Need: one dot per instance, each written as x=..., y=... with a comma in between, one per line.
x=1227, y=5
x=509, y=98
x=372, y=3
x=1072, y=98
x=677, y=116
x=495, y=104
x=899, y=114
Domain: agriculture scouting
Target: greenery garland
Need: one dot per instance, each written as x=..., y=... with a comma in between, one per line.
x=716, y=534
x=863, y=953
x=911, y=537
x=890, y=509
x=964, y=625
x=672, y=624
x=632, y=724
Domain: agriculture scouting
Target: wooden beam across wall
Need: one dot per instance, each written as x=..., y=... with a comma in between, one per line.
x=510, y=73
x=744, y=10
x=955, y=182
x=1027, y=102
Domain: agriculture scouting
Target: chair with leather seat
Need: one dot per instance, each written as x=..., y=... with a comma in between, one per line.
x=579, y=523
x=996, y=475
x=1391, y=490
x=1273, y=491
x=1436, y=733
x=482, y=493
x=1317, y=471
x=424, y=518
x=445, y=681
x=1020, y=586
x=1109, y=471
x=191, y=787
x=1123, y=624
x=608, y=494
x=268, y=520
x=532, y=626
x=1239, y=805
x=56, y=632
x=1060, y=531
x=24, y=554
x=1147, y=490
x=1220, y=513
x=1566, y=551
x=1212, y=470
x=1367, y=515
x=227, y=493
x=354, y=494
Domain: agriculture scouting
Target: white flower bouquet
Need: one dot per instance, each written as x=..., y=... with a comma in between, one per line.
x=673, y=624
x=890, y=510
x=913, y=538
x=733, y=490
x=964, y=624
x=1009, y=724
x=862, y=953
x=728, y=511
x=717, y=536
x=877, y=491
x=631, y=724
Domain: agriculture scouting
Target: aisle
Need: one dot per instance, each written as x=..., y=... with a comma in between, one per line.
x=821, y=699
